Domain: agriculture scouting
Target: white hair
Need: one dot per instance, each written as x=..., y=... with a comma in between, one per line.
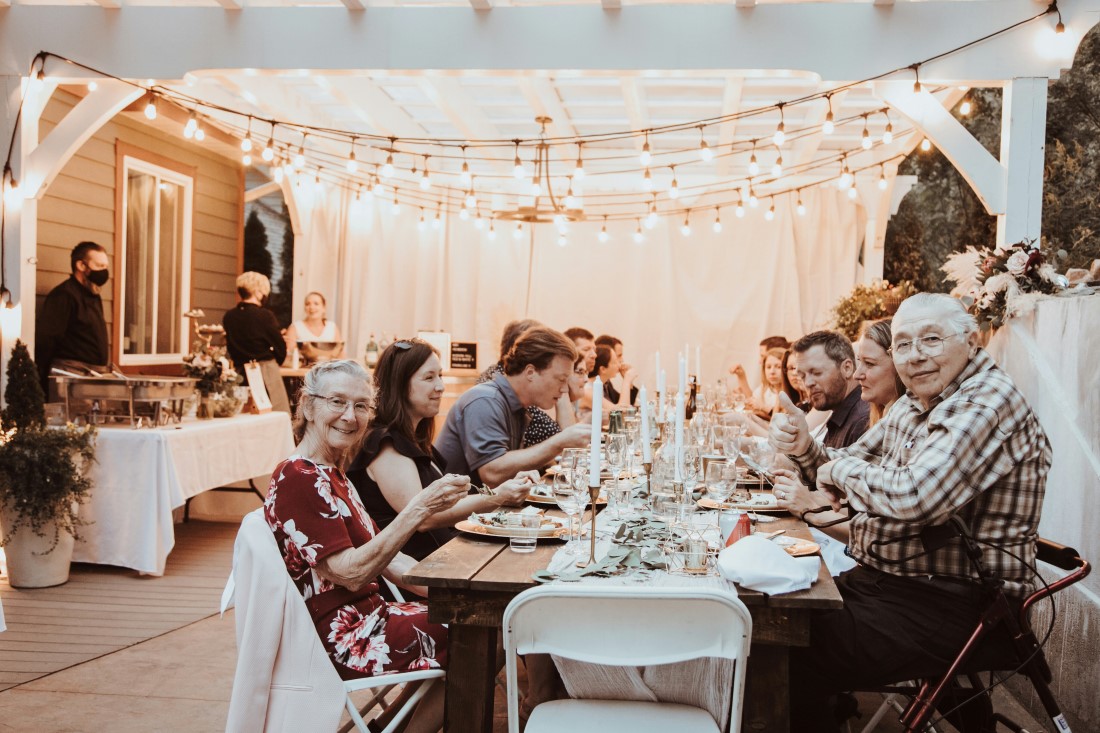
x=311, y=387
x=948, y=309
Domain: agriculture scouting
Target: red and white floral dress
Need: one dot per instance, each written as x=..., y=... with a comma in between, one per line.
x=314, y=512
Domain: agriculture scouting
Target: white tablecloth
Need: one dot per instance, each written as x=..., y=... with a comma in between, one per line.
x=140, y=476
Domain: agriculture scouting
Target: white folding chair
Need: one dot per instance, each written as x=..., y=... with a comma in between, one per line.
x=259, y=577
x=623, y=626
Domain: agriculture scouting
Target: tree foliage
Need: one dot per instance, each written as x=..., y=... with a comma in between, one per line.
x=256, y=256
x=941, y=215
x=22, y=392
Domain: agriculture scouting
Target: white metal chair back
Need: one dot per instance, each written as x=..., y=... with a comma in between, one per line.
x=255, y=538
x=624, y=626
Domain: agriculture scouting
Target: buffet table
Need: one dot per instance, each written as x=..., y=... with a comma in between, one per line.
x=141, y=475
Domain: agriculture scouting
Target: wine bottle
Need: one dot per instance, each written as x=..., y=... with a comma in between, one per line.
x=371, y=357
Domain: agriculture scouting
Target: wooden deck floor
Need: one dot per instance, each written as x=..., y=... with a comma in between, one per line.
x=103, y=609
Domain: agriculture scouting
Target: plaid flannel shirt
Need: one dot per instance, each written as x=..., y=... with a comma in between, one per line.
x=979, y=451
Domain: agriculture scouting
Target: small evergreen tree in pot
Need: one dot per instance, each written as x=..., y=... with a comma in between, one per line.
x=41, y=468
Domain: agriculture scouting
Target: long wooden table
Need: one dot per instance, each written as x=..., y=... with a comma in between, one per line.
x=470, y=582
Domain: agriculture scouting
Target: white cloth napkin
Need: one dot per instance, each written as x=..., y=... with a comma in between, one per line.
x=762, y=565
x=833, y=553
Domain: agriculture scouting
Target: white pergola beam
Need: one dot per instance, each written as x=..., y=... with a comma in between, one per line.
x=546, y=102
x=447, y=94
x=353, y=4
x=481, y=4
x=262, y=190
x=982, y=171
x=671, y=37
x=731, y=102
x=50, y=156
x=1023, y=133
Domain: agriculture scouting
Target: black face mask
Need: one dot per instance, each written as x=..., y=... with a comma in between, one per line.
x=98, y=277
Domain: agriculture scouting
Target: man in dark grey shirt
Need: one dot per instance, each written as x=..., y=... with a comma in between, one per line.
x=483, y=434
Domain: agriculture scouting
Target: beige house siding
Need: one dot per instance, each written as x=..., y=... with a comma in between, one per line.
x=80, y=205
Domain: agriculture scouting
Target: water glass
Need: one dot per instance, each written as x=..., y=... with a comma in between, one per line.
x=616, y=457
x=568, y=502
x=525, y=537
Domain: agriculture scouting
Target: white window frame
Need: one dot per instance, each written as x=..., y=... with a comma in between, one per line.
x=130, y=163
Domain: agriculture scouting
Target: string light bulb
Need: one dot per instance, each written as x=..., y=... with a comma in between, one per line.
x=92, y=85
x=479, y=223
x=916, y=79
x=464, y=213
x=12, y=193
x=651, y=217
x=646, y=157
x=829, y=126
x=517, y=165
x=268, y=153
x=517, y=233
x=464, y=177
x=436, y=223
x=471, y=199
x=536, y=188
x=353, y=164
x=246, y=159
x=151, y=108
x=882, y=184
x=705, y=153
x=277, y=173
x=639, y=237
x=780, y=135
x=246, y=144
x=754, y=166
x=888, y=133
x=770, y=213
x=852, y=193
x=925, y=145
x=578, y=169
x=562, y=240
x=387, y=167
x=685, y=228
x=777, y=168
x=674, y=188
x=191, y=126
x=965, y=107
x=422, y=224
x=739, y=210
x=570, y=199
x=753, y=201
x=800, y=207
x=865, y=142
x=492, y=232
x=377, y=189
x=845, y=180
x=425, y=177
x=647, y=181
x=396, y=207
x=603, y=235
x=300, y=158
x=717, y=220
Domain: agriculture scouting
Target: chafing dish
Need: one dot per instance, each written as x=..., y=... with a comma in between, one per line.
x=138, y=400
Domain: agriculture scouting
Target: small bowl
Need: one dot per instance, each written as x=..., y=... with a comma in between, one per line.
x=320, y=350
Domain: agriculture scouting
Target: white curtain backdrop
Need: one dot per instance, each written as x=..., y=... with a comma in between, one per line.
x=723, y=292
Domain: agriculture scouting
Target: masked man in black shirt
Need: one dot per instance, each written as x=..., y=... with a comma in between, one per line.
x=71, y=332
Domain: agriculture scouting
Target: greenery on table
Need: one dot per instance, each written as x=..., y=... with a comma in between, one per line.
x=868, y=303
x=41, y=468
x=636, y=545
x=941, y=215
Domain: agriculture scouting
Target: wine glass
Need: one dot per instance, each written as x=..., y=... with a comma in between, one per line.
x=731, y=441
x=616, y=457
x=691, y=465
x=762, y=453
x=717, y=480
x=567, y=500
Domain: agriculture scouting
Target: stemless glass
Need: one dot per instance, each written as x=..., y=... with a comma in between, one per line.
x=717, y=487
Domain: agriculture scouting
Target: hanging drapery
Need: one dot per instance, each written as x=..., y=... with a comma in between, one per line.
x=723, y=290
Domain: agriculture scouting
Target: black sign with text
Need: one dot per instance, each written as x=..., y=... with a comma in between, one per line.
x=463, y=355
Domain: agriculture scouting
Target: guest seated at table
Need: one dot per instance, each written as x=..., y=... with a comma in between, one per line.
x=577, y=382
x=765, y=396
x=800, y=396
x=541, y=426
x=962, y=440
x=315, y=326
x=766, y=345
x=252, y=334
x=397, y=461
x=585, y=342
x=483, y=434
x=615, y=385
x=880, y=386
x=826, y=365
x=333, y=550
x=607, y=365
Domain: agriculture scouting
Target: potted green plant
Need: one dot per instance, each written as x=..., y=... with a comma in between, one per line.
x=869, y=303
x=42, y=481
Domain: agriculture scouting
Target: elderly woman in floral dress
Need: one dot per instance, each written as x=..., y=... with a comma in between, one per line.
x=334, y=552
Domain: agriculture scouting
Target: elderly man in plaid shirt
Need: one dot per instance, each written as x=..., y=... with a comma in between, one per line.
x=962, y=440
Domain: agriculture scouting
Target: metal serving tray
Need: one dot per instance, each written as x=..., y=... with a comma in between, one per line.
x=158, y=399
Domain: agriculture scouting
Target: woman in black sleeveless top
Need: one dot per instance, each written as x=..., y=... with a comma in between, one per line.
x=397, y=459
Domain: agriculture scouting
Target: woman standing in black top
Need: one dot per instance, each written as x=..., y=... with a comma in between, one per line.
x=398, y=460
x=253, y=334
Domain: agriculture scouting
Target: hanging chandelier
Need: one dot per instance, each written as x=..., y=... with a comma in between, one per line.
x=541, y=204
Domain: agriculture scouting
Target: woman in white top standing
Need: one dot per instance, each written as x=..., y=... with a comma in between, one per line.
x=314, y=327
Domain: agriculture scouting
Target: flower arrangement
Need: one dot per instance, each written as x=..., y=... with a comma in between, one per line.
x=996, y=285
x=880, y=299
x=212, y=368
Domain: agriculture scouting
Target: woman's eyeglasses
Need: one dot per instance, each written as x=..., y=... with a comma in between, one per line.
x=339, y=405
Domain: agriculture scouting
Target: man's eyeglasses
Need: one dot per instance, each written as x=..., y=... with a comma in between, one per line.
x=339, y=405
x=927, y=345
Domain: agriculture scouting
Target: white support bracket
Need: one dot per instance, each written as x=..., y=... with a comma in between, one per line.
x=45, y=162
x=262, y=190
x=985, y=174
x=1023, y=141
